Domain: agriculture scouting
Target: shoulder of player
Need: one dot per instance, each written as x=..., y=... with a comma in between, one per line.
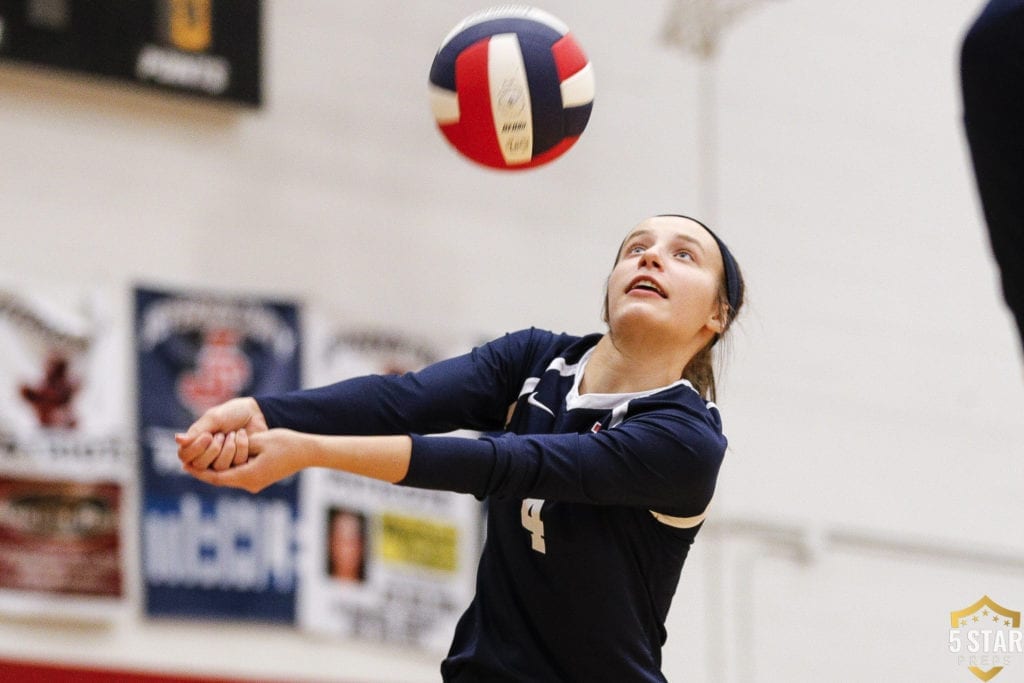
x=680, y=409
x=533, y=345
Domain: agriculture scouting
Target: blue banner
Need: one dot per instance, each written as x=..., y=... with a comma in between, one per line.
x=206, y=551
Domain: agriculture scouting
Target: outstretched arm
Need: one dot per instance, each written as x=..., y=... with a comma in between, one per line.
x=665, y=463
x=472, y=391
x=280, y=453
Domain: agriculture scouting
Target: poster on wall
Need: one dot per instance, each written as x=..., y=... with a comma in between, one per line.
x=382, y=562
x=208, y=551
x=204, y=48
x=66, y=453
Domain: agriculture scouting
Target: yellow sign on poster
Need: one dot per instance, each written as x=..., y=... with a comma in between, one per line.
x=419, y=542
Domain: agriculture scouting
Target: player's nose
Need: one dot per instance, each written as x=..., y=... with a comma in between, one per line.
x=650, y=258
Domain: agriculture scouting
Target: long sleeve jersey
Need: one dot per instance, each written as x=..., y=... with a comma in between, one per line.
x=593, y=500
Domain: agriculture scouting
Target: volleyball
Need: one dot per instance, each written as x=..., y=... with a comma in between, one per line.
x=511, y=88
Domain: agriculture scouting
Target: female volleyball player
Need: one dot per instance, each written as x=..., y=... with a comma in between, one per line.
x=598, y=462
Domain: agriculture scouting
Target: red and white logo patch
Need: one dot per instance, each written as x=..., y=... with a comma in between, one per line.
x=222, y=371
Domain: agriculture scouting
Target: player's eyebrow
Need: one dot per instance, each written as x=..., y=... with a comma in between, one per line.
x=689, y=239
x=693, y=241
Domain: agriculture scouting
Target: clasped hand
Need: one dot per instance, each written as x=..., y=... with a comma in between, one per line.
x=231, y=445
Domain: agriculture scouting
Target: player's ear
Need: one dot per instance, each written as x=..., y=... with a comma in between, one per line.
x=716, y=321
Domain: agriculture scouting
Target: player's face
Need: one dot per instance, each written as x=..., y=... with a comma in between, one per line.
x=668, y=276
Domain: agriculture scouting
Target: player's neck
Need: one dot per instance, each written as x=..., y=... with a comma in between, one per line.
x=617, y=368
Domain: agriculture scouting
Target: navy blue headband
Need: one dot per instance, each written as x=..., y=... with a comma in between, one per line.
x=733, y=281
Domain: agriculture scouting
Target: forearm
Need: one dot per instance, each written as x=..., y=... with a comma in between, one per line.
x=276, y=454
x=380, y=457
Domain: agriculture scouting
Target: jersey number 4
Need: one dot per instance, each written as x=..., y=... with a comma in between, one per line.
x=534, y=523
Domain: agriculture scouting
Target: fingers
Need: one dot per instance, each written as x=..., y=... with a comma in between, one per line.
x=226, y=459
x=196, y=442
x=241, y=447
x=226, y=417
x=257, y=442
x=208, y=476
x=237, y=477
x=191, y=448
x=212, y=477
x=219, y=451
x=206, y=458
x=226, y=456
x=207, y=422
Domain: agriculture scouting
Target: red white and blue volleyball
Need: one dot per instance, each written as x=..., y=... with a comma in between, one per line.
x=511, y=88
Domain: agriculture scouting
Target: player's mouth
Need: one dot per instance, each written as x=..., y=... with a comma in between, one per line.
x=646, y=284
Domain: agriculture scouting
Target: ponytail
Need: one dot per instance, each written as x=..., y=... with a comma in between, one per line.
x=700, y=372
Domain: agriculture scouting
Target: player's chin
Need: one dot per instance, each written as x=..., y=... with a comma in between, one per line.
x=641, y=311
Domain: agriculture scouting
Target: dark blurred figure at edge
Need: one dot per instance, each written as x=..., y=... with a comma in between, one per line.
x=992, y=80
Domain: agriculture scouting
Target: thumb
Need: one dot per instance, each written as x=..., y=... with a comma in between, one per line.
x=258, y=442
x=198, y=428
x=215, y=419
x=205, y=423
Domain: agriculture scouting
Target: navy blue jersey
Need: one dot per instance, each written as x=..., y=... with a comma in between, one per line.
x=593, y=499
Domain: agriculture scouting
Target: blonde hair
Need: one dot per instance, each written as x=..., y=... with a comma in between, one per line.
x=700, y=371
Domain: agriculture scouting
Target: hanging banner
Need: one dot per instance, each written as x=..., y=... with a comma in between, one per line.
x=205, y=48
x=207, y=551
x=383, y=562
x=66, y=455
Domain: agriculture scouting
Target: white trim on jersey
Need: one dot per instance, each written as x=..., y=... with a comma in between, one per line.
x=563, y=369
x=617, y=403
x=529, y=385
x=681, y=522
